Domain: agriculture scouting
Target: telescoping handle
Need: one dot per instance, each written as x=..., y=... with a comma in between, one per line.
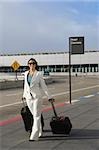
x=54, y=109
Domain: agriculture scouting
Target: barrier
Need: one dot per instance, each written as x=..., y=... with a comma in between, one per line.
x=9, y=84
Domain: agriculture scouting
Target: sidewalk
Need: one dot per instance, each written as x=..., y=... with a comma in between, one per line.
x=84, y=116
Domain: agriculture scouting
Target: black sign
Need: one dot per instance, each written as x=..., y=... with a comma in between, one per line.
x=76, y=45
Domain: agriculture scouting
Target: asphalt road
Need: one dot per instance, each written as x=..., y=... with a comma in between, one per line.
x=83, y=112
x=10, y=100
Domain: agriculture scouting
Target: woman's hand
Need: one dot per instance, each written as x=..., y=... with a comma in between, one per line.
x=51, y=100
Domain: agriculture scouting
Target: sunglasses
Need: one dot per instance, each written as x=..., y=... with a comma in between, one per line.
x=31, y=63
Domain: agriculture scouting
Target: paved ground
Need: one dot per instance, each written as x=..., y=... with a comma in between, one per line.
x=83, y=112
x=10, y=100
x=84, y=135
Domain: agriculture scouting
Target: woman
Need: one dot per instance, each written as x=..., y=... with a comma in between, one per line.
x=33, y=85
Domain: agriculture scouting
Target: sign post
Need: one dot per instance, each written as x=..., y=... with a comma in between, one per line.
x=76, y=46
x=15, y=66
x=69, y=71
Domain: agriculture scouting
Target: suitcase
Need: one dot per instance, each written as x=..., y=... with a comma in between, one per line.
x=28, y=118
x=60, y=124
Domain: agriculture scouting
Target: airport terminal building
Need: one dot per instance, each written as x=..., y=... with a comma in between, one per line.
x=53, y=62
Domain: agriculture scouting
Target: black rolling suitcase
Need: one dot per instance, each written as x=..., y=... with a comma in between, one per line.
x=60, y=124
x=28, y=118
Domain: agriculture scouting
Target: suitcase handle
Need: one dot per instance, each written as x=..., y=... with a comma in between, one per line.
x=56, y=116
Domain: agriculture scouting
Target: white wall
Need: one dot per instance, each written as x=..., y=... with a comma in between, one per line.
x=52, y=59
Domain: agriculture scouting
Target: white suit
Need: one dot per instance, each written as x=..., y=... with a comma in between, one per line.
x=34, y=100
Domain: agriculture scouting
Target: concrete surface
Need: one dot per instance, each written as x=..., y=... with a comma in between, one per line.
x=84, y=116
x=83, y=113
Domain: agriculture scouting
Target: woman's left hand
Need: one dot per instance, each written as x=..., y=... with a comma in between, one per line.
x=51, y=100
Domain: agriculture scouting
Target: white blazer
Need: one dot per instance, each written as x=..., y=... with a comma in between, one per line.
x=36, y=86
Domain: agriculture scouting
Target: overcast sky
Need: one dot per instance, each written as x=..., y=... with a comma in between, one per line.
x=45, y=26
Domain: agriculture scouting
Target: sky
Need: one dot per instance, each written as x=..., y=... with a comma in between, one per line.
x=28, y=26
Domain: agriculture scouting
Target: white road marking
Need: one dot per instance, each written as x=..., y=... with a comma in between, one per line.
x=73, y=91
x=2, y=106
x=88, y=96
x=18, y=93
x=73, y=101
x=57, y=94
x=14, y=94
x=90, y=87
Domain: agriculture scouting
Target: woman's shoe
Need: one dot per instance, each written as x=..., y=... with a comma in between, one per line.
x=40, y=135
x=31, y=140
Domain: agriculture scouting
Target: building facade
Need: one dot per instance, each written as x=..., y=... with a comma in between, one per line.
x=53, y=62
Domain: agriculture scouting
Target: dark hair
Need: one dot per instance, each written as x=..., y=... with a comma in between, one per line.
x=32, y=59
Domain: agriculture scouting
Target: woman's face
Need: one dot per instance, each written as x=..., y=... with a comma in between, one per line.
x=31, y=64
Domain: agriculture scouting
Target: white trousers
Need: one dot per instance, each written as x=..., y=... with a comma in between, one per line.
x=35, y=106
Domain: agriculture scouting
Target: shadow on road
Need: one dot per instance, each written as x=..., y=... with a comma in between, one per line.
x=76, y=134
